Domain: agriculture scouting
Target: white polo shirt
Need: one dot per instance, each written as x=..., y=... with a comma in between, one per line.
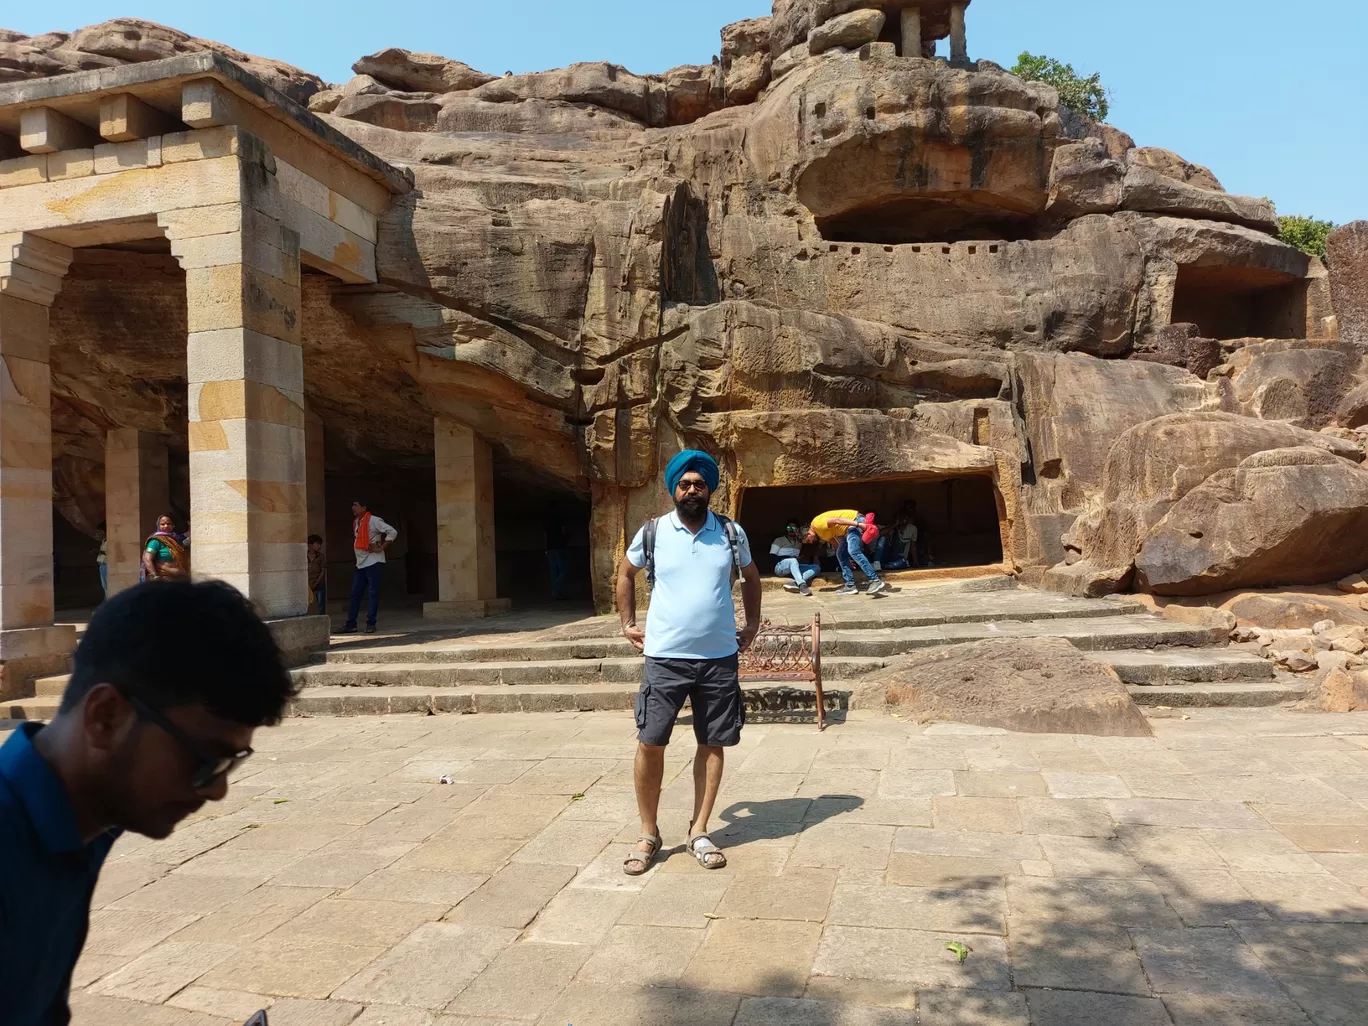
x=691, y=615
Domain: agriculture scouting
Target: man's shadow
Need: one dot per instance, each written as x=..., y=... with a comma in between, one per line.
x=780, y=817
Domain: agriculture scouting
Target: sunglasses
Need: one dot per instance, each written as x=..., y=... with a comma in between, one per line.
x=693, y=486
x=209, y=766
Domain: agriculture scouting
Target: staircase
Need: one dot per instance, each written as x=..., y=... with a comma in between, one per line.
x=522, y=663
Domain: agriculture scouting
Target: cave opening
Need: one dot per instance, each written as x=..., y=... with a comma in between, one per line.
x=1227, y=302
x=957, y=515
x=919, y=220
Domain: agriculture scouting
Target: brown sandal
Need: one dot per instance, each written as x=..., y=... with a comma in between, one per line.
x=642, y=859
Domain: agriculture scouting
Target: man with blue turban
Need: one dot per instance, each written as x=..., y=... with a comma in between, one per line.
x=691, y=642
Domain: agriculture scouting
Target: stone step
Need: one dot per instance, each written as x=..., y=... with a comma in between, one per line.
x=890, y=635
x=343, y=701
x=566, y=672
x=29, y=708
x=1217, y=695
x=51, y=687
x=929, y=579
x=1186, y=665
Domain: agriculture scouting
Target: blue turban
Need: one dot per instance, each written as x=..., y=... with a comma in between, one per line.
x=692, y=460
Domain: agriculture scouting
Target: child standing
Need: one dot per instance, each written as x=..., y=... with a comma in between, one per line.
x=318, y=575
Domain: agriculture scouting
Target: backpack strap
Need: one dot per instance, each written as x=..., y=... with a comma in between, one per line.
x=648, y=544
x=733, y=542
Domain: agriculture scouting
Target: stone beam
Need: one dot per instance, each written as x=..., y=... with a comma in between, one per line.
x=124, y=117
x=31, y=271
x=44, y=130
x=206, y=103
x=137, y=491
x=466, y=581
x=182, y=175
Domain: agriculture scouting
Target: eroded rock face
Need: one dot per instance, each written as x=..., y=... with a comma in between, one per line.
x=823, y=267
x=1033, y=685
x=1282, y=516
x=133, y=41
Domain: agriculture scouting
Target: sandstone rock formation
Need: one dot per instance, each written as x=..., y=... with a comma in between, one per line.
x=1034, y=685
x=825, y=265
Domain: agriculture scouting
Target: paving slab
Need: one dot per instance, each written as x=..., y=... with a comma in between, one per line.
x=374, y=895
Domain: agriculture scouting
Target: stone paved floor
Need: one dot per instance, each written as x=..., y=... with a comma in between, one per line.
x=1216, y=874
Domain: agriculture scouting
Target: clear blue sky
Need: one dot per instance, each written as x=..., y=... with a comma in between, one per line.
x=1270, y=95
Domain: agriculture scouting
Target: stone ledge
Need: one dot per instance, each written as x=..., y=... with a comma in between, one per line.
x=29, y=652
x=479, y=608
x=300, y=637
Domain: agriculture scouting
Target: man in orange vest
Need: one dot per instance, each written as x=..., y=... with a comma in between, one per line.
x=372, y=536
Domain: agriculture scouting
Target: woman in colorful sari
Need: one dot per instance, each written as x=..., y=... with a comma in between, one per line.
x=164, y=557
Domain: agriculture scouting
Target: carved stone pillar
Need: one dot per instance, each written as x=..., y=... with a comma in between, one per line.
x=466, y=580
x=911, y=32
x=31, y=271
x=959, y=45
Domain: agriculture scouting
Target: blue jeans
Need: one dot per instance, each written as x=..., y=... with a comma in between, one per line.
x=853, y=550
x=366, y=579
x=321, y=599
x=558, y=562
x=800, y=572
x=104, y=578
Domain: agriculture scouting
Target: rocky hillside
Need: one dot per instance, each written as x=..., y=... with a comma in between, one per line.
x=825, y=262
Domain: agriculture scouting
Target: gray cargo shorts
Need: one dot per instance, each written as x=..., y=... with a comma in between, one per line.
x=713, y=688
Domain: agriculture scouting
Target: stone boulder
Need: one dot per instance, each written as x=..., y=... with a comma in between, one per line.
x=746, y=59
x=1285, y=516
x=1150, y=191
x=133, y=41
x=1034, y=685
x=1346, y=252
x=850, y=31
x=1340, y=692
x=600, y=83
x=1084, y=180
x=1292, y=610
x=693, y=91
x=1170, y=165
x=1300, y=383
x=1149, y=468
x=22, y=57
x=420, y=72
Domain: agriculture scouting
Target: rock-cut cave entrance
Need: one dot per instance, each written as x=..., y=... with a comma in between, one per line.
x=1227, y=302
x=957, y=515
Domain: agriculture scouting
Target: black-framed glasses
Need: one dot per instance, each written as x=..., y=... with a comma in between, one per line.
x=210, y=767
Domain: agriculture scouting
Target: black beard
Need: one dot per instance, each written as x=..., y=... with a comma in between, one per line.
x=693, y=507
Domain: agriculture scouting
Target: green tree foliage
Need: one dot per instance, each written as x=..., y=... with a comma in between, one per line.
x=1086, y=96
x=1306, y=233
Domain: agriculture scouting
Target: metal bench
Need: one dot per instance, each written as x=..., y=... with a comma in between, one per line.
x=789, y=655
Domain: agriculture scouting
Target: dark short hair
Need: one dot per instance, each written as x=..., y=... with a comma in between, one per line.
x=315, y=538
x=174, y=643
x=361, y=502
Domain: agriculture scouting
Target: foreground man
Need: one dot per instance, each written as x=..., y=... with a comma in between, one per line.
x=691, y=645
x=170, y=681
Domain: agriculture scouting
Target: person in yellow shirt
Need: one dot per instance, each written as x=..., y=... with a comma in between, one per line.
x=844, y=529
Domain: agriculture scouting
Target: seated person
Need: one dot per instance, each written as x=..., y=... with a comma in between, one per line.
x=793, y=562
x=896, y=548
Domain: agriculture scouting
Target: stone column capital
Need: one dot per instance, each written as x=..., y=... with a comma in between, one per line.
x=32, y=268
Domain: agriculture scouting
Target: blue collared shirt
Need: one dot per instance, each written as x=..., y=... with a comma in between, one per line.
x=692, y=615
x=47, y=875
